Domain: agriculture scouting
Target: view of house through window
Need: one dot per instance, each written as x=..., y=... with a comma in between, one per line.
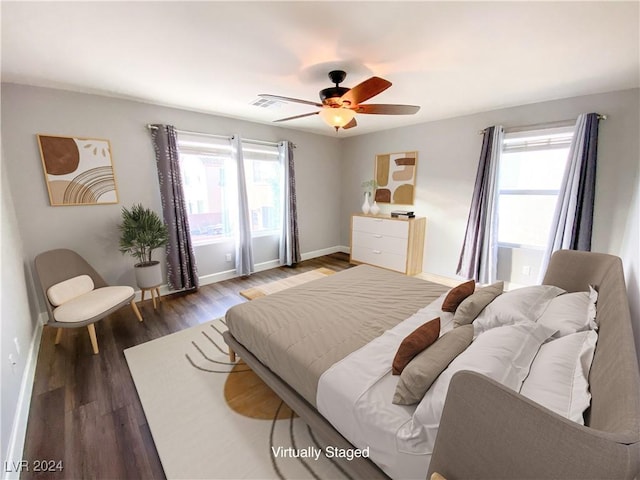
x=210, y=187
x=530, y=172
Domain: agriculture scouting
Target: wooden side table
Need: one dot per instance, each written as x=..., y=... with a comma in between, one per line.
x=155, y=292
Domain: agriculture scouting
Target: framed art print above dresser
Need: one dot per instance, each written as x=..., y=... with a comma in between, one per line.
x=392, y=243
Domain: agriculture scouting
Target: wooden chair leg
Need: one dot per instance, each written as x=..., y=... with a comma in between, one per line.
x=135, y=310
x=153, y=298
x=232, y=356
x=94, y=341
x=58, y=336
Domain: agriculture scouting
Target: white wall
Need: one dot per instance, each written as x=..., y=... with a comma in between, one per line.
x=91, y=230
x=17, y=321
x=448, y=158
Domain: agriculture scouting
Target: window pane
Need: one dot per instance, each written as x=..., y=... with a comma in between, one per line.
x=206, y=195
x=525, y=219
x=533, y=170
x=211, y=186
x=264, y=179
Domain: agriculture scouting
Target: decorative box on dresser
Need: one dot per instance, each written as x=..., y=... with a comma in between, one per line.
x=393, y=243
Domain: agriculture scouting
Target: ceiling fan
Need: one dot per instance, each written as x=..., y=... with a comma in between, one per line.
x=340, y=104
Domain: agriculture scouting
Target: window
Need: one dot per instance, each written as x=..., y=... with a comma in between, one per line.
x=210, y=187
x=531, y=168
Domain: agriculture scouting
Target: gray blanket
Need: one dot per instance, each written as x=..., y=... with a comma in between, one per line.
x=300, y=332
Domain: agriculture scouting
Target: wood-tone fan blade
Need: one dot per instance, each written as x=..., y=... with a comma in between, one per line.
x=386, y=109
x=351, y=124
x=365, y=90
x=288, y=99
x=297, y=116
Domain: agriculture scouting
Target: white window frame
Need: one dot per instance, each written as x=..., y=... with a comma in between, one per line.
x=217, y=147
x=530, y=140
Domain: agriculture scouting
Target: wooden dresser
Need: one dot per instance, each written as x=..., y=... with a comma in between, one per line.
x=393, y=243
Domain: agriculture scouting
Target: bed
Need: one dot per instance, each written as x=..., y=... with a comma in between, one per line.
x=304, y=332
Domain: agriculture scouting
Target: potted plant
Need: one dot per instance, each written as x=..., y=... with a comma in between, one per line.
x=141, y=232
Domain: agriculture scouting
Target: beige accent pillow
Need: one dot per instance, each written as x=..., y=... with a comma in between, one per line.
x=471, y=306
x=456, y=295
x=69, y=289
x=424, y=369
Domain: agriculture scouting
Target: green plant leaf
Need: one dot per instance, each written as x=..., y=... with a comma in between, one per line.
x=141, y=231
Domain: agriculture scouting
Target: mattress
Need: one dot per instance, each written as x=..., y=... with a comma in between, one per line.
x=302, y=331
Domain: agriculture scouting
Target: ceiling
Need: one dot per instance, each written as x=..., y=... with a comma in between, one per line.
x=451, y=58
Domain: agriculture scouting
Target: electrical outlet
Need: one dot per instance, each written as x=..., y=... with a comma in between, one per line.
x=227, y=257
x=16, y=342
x=526, y=270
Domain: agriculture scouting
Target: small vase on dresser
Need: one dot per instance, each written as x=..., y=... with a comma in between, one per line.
x=365, y=205
x=374, y=209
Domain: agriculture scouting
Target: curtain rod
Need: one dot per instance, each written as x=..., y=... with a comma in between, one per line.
x=212, y=135
x=560, y=123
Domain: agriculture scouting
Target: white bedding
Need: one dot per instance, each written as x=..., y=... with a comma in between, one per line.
x=356, y=393
x=360, y=407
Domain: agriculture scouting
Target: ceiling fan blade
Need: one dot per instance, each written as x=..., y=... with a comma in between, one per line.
x=386, y=109
x=351, y=124
x=296, y=116
x=288, y=99
x=365, y=90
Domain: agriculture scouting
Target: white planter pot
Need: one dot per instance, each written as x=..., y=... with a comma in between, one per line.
x=148, y=276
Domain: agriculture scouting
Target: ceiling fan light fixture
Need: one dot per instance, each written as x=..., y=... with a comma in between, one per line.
x=337, y=117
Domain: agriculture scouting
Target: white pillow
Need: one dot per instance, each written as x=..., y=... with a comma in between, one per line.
x=516, y=306
x=559, y=376
x=69, y=289
x=571, y=313
x=503, y=354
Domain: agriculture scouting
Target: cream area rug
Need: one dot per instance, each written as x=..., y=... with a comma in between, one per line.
x=273, y=287
x=181, y=381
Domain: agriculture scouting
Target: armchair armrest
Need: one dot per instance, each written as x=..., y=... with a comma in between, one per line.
x=489, y=431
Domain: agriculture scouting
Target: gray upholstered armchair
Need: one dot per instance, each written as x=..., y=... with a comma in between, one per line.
x=76, y=295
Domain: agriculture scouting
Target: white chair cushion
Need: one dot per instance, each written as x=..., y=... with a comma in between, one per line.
x=69, y=289
x=91, y=304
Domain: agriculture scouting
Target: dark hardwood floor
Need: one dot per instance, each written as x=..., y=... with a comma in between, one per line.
x=85, y=411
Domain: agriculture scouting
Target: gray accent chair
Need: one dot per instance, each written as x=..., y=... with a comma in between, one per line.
x=92, y=302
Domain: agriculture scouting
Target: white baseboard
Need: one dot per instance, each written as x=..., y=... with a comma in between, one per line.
x=19, y=429
x=344, y=249
x=321, y=253
x=228, y=274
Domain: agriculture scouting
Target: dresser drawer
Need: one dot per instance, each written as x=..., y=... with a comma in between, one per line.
x=377, y=241
x=391, y=243
x=382, y=259
x=381, y=226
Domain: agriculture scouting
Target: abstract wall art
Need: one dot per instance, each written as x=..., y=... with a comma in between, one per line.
x=78, y=171
x=395, y=174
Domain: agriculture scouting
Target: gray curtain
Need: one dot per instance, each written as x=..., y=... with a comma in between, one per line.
x=181, y=262
x=573, y=217
x=289, y=244
x=479, y=255
x=244, y=247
